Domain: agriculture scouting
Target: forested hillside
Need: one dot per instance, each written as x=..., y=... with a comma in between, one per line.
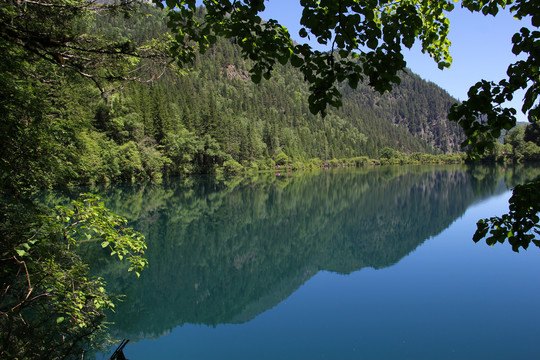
x=198, y=119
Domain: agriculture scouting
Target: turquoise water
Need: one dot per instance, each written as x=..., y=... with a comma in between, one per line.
x=353, y=264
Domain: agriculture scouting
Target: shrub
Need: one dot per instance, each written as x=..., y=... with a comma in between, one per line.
x=231, y=166
x=282, y=158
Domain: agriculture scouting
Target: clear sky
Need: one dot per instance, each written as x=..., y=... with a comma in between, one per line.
x=481, y=48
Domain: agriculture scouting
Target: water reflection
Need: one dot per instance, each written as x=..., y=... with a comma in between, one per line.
x=226, y=251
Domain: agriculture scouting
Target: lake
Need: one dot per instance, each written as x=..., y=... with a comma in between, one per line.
x=370, y=263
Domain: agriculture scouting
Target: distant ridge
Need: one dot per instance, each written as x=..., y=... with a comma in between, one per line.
x=209, y=117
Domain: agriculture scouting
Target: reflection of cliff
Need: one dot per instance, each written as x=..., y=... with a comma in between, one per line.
x=222, y=254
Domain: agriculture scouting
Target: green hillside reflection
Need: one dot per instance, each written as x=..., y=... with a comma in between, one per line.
x=224, y=252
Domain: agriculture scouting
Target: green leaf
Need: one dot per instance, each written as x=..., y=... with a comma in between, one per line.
x=256, y=78
x=536, y=20
x=372, y=43
x=104, y=244
x=296, y=61
x=283, y=60
x=353, y=80
x=59, y=319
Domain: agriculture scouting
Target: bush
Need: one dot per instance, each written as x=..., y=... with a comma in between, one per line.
x=231, y=166
x=253, y=166
x=531, y=151
x=270, y=164
x=282, y=158
x=360, y=161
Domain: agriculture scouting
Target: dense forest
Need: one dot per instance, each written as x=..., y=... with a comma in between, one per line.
x=210, y=116
x=213, y=113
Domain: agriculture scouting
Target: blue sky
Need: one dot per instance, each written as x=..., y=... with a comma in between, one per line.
x=481, y=48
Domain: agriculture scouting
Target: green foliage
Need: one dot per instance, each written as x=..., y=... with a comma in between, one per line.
x=50, y=306
x=360, y=160
x=232, y=167
x=130, y=160
x=59, y=128
x=282, y=159
x=270, y=163
x=56, y=69
x=365, y=40
x=182, y=148
x=90, y=220
x=483, y=116
x=520, y=225
x=532, y=133
x=531, y=151
x=517, y=147
x=389, y=153
x=152, y=130
x=153, y=160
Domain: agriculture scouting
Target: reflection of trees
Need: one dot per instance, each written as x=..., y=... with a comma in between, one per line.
x=225, y=252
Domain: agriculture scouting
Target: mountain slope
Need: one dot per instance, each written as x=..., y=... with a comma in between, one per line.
x=216, y=97
x=199, y=119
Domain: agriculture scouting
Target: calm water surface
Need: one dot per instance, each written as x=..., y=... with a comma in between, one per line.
x=344, y=264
